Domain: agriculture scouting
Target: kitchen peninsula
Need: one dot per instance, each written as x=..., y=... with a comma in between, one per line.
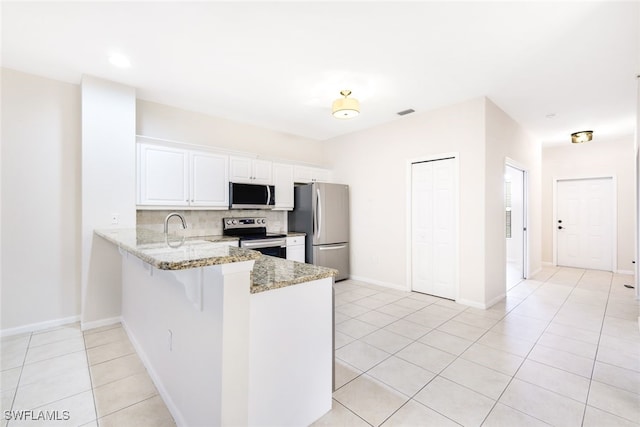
x=229, y=336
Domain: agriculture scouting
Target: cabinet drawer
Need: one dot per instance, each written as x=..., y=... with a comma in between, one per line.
x=296, y=240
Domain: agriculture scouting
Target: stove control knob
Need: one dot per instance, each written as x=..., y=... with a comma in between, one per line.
x=234, y=222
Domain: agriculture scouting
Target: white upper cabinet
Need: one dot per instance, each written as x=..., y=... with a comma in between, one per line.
x=306, y=174
x=169, y=176
x=250, y=171
x=209, y=179
x=163, y=176
x=283, y=181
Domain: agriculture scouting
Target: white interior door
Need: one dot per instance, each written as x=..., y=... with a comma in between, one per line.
x=433, y=228
x=584, y=223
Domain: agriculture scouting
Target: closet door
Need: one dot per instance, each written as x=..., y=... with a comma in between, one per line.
x=433, y=228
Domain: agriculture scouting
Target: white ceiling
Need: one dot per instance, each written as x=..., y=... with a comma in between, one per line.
x=280, y=65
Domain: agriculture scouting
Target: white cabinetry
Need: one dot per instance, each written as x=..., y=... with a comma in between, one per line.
x=283, y=181
x=209, y=179
x=306, y=174
x=163, y=176
x=295, y=248
x=169, y=176
x=250, y=171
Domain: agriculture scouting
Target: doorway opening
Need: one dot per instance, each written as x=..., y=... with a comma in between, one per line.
x=515, y=224
x=433, y=232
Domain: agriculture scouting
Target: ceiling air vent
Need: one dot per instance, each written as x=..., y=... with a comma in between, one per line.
x=405, y=112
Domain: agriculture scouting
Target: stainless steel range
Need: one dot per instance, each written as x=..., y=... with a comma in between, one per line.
x=253, y=235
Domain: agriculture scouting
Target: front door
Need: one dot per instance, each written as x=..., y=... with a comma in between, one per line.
x=433, y=228
x=584, y=223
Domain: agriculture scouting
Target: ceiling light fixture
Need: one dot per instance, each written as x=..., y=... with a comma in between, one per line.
x=583, y=136
x=345, y=108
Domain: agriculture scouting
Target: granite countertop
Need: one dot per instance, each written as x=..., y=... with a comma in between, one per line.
x=175, y=252
x=295, y=234
x=181, y=253
x=273, y=273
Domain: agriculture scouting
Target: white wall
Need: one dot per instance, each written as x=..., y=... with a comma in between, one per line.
x=595, y=158
x=40, y=201
x=374, y=164
x=108, y=187
x=506, y=139
x=166, y=122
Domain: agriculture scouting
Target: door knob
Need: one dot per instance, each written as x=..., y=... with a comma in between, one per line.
x=560, y=227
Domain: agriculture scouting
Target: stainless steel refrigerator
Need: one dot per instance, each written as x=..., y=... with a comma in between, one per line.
x=321, y=210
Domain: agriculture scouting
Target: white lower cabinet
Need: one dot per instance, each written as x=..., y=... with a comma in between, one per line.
x=295, y=248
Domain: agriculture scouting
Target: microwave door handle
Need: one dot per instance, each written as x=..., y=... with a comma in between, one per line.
x=319, y=211
x=268, y=195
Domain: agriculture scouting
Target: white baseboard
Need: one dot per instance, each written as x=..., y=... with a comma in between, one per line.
x=35, y=327
x=495, y=300
x=480, y=305
x=85, y=326
x=547, y=264
x=173, y=408
x=379, y=283
x=629, y=272
x=470, y=303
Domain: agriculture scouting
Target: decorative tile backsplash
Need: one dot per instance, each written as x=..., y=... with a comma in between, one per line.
x=207, y=223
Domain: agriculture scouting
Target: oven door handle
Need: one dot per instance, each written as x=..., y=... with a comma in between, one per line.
x=263, y=244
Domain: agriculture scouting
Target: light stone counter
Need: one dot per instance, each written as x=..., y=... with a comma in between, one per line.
x=174, y=252
x=273, y=273
x=177, y=253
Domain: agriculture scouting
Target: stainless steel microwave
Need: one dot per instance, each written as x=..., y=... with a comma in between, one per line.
x=251, y=196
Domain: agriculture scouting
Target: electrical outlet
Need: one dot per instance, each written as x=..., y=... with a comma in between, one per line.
x=115, y=219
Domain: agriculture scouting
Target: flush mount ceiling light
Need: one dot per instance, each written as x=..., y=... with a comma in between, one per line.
x=345, y=108
x=583, y=136
x=119, y=60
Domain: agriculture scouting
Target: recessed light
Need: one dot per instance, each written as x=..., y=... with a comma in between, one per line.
x=119, y=60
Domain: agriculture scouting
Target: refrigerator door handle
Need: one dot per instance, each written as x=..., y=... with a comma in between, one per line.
x=319, y=214
x=331, y=248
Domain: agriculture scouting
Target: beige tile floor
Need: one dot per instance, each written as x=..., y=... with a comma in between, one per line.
x=96, y=376
x=563, y=350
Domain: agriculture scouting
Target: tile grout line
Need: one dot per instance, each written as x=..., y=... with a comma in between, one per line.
x=15, y=392
x=93, y=394
x=595, y=357
x=476, y=341
x=437, y=374
x=525, y=358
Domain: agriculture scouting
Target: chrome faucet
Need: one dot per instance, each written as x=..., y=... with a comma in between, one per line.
x=166, y=221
